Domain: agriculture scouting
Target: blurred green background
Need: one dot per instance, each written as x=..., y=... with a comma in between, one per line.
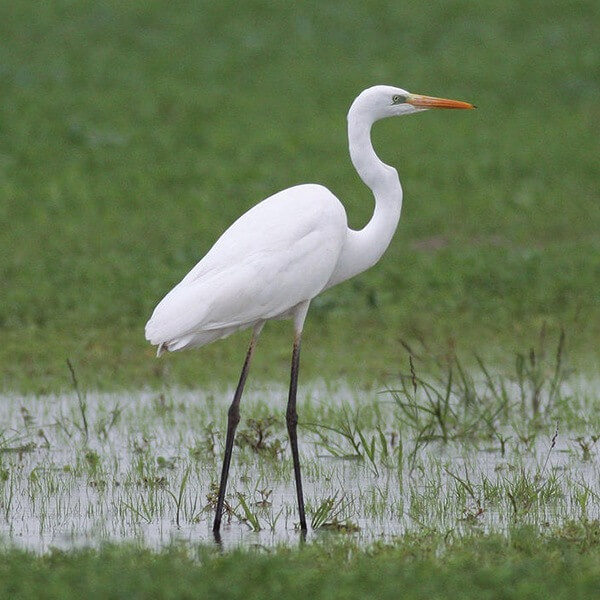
x=133, y=133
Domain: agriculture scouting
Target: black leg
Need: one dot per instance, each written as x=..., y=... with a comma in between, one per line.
x=292, y=422
x=233, y=418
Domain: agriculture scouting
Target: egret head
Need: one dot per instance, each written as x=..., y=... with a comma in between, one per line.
x=381, y=101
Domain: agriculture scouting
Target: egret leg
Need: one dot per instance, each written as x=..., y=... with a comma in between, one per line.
x=292, y=422
x=233, y=418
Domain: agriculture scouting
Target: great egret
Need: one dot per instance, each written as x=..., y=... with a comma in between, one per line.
x=283, y=252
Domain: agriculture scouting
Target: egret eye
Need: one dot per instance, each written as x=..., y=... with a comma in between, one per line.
x=397, y=99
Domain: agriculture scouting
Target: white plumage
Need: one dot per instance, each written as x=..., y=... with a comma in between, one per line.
x=280, y=254
x=289, y=247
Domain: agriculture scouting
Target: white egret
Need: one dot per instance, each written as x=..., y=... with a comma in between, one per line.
x=282, y=253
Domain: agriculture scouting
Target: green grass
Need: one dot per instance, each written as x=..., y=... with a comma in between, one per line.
x=560, y=564
x=132, y=134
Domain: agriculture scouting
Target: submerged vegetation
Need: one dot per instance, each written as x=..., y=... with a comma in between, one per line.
x=470, y=481
x=463, y=450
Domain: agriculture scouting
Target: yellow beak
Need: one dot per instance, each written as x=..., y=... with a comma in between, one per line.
x=431, y=102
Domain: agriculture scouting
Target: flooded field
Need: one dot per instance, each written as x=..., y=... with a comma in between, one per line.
x=447, y=454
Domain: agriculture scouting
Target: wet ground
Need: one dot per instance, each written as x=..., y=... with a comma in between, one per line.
x=143, y=467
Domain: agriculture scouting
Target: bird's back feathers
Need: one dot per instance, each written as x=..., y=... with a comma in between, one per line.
x=275, y=256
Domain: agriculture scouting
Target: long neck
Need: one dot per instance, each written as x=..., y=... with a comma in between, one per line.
x=364, y=248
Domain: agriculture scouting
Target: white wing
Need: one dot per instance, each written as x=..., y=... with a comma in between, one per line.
x=278, y=254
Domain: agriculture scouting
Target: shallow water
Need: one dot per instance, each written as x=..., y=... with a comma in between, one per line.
x=61, y=487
